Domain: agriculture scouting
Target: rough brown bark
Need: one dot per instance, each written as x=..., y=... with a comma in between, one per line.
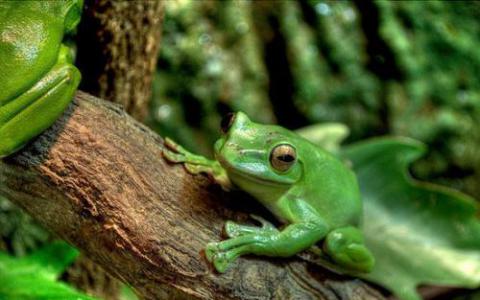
x=97, y=178
x=117, y=51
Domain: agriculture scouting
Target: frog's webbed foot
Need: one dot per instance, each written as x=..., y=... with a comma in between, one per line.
x=346, y=247
x=264, y=241
x=196, y=164
x=232, y=229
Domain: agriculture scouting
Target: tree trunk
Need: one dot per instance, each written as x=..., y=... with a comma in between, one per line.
x=117, y=54
x=97, y=179
x=117, y=51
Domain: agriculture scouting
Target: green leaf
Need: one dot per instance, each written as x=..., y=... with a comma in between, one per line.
x=34, y=277
x=419, y=233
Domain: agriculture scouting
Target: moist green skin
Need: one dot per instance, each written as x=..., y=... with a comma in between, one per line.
x=317, y=197
x=37, y=78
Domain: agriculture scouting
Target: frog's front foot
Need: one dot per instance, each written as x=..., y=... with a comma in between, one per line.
x=269, y=242
x=211, y=250
x=175, y=153
x=218, y=258
x=232, y=229
x=345, y=246
x=195, y=164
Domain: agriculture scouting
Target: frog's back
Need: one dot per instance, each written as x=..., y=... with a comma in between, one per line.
x=332, y=187
x=30, y=35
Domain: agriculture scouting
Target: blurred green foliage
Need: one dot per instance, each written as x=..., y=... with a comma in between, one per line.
x=35, y=277
x=381, y=67
x=210, y=62
x=19, y=234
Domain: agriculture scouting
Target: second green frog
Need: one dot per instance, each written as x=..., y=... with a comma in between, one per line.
x=37, y=75
x=310, y=190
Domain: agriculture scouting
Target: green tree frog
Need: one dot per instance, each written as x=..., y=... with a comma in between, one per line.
x=37, y=78
x=308, y=189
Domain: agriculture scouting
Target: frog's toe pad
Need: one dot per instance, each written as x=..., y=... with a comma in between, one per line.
x=171, y=144
x=355, y=257
x=361, y=257
x=194, y=169
x=221, y=262
x=231, y=229
x=210, y=251
x=172, y=156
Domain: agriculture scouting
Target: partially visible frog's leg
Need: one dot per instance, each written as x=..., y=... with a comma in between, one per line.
x=196, y=164
x=346, y=247
x=293, y=239
x=233, y=229
x=28, y=115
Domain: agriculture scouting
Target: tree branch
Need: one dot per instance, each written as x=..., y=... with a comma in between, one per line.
x=97, y=178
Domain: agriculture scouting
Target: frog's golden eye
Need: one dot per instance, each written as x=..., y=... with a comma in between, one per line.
x=227, y=122
x=283, y=157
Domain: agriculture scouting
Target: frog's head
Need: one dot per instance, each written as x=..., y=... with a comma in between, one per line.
x=258, y=155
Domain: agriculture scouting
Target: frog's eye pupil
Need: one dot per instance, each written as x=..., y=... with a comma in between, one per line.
x=286, y=158
x=227, y=122
x=283, y=157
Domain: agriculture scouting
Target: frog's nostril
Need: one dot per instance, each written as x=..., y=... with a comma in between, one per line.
x=227, y=122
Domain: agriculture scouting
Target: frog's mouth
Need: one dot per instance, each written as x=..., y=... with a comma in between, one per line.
x=246, y=174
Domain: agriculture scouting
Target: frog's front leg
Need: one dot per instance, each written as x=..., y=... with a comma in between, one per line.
x=196, y=164
x=346, y=247
x=28, y=115
x=293, y=239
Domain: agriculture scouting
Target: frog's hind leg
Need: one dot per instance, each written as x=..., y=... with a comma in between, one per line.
x=28, y=115
x=346, y=247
